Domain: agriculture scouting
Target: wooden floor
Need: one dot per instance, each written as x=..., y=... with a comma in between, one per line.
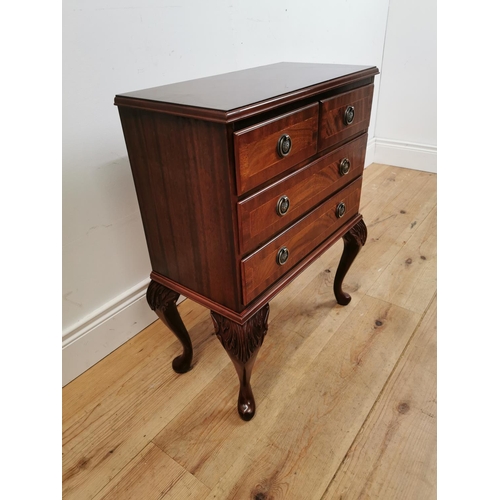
x=346, y=396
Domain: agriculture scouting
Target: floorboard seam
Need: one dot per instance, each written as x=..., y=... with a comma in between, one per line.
x=399, y=251
x=396, y=364
x=151, y=441
x=133, y=458
x=181, y=466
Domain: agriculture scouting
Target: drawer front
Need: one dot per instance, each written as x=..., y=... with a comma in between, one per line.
x=261, y=269
x=257, y=151
x=335, y=122
x=261, y=215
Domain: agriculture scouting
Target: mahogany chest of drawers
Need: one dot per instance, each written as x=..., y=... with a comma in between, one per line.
x=243, y=179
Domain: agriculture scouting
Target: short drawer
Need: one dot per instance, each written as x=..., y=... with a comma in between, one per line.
x=269, y=148
x=267, y=212
x=345, y=115
x=261, y=269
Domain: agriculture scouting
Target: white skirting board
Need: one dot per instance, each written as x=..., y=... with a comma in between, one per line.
x=106, y=329
x=370, y=152
x=405, y=154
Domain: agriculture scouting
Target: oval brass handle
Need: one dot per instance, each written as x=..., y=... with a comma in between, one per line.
x=284, y=145
x=349, y=115
x=345, y=166
x=282, y=255
x=341, y=208
x=282, y=206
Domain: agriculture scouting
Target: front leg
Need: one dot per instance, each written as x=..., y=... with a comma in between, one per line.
x=242, y=343
x=354, y=239
x=163, y=302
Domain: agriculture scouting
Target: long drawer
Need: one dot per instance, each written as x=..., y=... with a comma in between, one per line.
x=344, y=116
x=261, y=269
x=268, y=149
x=267, y=212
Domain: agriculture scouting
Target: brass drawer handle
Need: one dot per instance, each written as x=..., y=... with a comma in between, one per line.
x=282, y=206
x=341, y=209
x=349, y=115
x=282, y=255
x=284, y=145
x=345, y=166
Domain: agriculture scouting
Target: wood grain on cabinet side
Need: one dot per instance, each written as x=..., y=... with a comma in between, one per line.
x=181, y=171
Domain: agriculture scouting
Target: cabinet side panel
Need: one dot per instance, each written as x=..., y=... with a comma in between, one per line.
x=181, y=174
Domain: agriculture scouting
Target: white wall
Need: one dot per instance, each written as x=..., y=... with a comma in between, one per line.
x=406, y=123
x=117, y=46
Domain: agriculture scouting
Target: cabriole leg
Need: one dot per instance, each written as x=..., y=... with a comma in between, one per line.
x=354, y=239
x=242, y=343
x=163, y=302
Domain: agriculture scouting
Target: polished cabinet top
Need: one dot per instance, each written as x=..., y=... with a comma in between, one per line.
x=276, y=83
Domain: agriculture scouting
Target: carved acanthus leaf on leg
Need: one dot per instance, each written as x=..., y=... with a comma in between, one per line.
x=158, y=295
x=357, y=234
x=241, y=340
x=242, y=343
